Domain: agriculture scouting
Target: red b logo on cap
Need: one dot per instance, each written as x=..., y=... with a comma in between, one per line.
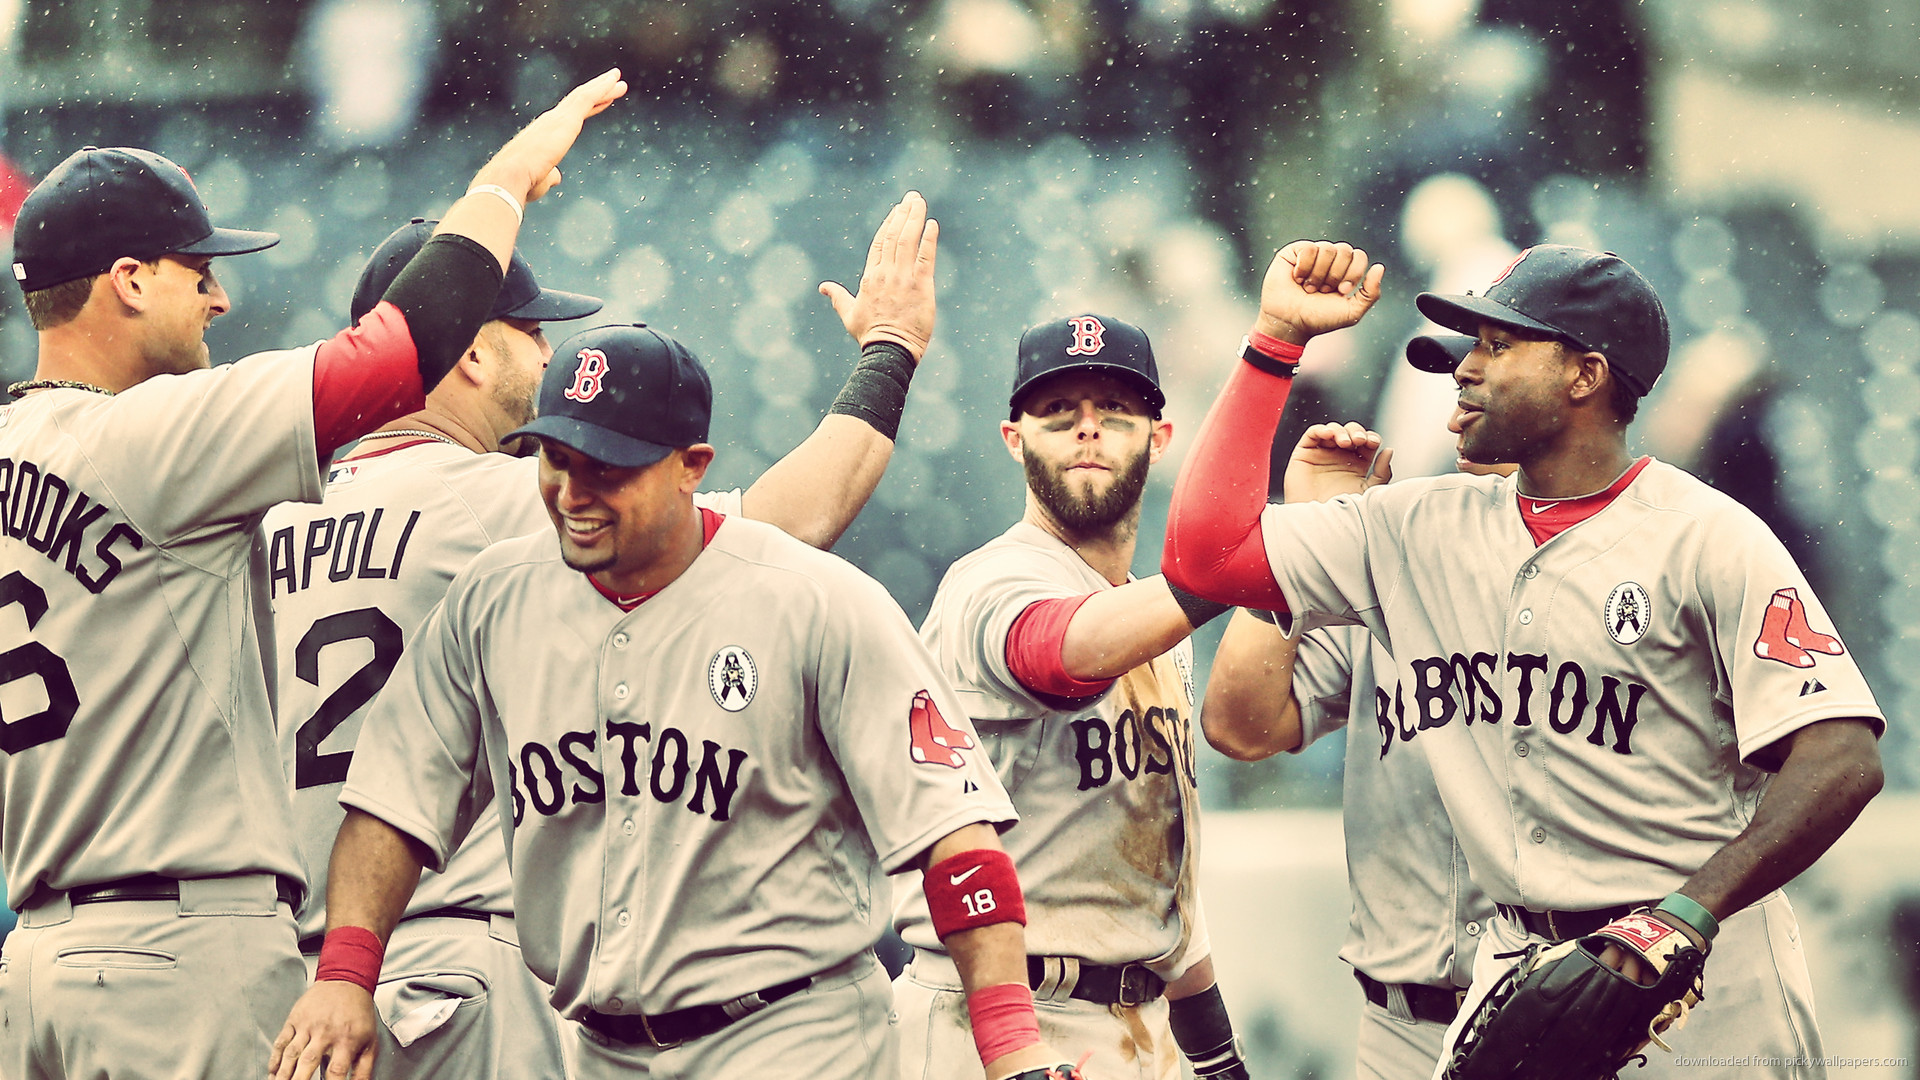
x=587, y=378
x=1089, y=337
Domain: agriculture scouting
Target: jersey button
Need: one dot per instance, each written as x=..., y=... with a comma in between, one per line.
x=627, y=826
x=1532, y=572
x=1521, y=749
x=620, y=640
x=623, y=918
x=620, y=691
x=614, y=1004
x=1473, y=929
x=1539, y=835
x=1526, y=616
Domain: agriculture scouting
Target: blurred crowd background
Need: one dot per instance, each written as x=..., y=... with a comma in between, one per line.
x=1138, y=158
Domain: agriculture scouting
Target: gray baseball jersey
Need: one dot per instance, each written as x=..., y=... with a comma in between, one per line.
x=1417, y=916
x=1593, y=707
x=138, y=736
x=701, y=796
x=350, y=579
x=1109, y=835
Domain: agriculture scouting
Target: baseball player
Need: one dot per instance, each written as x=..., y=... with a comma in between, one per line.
x=147, y=835
x=705, y=742
x=351, y=577
x=1416, y=916
x=1081, y=681
x=1628, y=694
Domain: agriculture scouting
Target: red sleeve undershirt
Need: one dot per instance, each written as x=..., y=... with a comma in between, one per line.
x=709, y=524
x=1214, y=545
x=364, y=377
x=1036, y=650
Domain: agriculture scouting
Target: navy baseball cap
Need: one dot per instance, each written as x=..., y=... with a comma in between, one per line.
x=1086, y=342
x=1439, y=353
x=1591, y=299
x=627, y=395
x=521, y=297
x=101, y=205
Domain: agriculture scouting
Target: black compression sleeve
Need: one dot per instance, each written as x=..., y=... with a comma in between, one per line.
x=877, y=390
x=1198, y=610
x=446, y=293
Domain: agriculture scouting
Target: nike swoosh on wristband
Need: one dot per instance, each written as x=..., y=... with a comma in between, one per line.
x=959, y=878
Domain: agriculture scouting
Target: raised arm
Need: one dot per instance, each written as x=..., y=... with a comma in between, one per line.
x=1214, y=548
x=383, y=368
x=817, y=490
x=372, y=874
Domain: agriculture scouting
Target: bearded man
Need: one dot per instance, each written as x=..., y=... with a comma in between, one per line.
x=1079, y=679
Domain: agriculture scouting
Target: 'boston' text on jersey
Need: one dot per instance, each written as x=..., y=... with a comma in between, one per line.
x=1135, y=745
x=1463, y=686
x=549, y=784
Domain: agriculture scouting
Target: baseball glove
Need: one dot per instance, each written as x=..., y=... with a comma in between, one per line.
x=1561, y=1014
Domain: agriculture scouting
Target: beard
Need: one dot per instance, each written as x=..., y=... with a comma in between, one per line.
x=1094, y=511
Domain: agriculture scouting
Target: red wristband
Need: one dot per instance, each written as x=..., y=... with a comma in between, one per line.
x=973, y=889
x=1272, y=346
x=351, y=954
x=1003, y=1020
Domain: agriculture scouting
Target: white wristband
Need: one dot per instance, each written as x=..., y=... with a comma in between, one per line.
x=506, y=196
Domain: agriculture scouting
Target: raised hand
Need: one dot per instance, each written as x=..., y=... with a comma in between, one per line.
x=1336, y=459
x=530, y=161
x=896, y=301
x=1313, y=286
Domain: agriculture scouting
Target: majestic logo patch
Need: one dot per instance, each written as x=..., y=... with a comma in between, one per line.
x=732, y=678
x=1089, y=336
x=931, y=739
x=1812, y=687
x=1785, y=635
x=1628, y=613
x=589, y=378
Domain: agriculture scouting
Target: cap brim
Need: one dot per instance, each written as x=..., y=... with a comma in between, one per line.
x=621, y=451
x=1464, y=314
x=1439, y=353
x=552, y=305
x=1156, y=398
x=230, y=242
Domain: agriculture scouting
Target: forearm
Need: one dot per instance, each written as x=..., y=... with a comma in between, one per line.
x=1214, y=547
x=1119, y=629
x=1831, y=771
x=371, y=875
x=1250, y=712
x=817, y=490
x=986, y=955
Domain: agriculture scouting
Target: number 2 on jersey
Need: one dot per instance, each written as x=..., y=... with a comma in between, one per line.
x=311, y=768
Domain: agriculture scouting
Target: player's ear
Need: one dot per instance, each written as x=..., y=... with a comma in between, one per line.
x=694, y=461
x=1161, y=438
x=1591, y=377
x=1010, y=434
x=127, y=283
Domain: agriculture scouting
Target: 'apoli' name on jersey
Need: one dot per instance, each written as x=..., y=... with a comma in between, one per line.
x=347, y=547
x=54, y=517
x=1463, y=687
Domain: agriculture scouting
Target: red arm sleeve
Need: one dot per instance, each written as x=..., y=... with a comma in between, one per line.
x=1214, y=546
x=1034, y=650
x=363, y=377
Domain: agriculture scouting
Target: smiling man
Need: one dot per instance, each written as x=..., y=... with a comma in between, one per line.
x=1081, y=681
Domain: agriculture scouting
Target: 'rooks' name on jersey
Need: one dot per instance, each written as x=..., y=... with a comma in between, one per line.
x=1461, y=686
x=53, y=516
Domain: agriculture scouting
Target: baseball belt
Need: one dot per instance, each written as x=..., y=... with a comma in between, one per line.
x=1103, y=984
x=668, y=1030
x=1433, y=1004
x=146, y=887
x=312, y=942
x=1564, y=925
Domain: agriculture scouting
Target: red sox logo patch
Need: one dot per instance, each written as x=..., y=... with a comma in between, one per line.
x=589, y=378
x=932, y=739
x=1517, y=260
x=1786, y=636
x=1089, y=336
